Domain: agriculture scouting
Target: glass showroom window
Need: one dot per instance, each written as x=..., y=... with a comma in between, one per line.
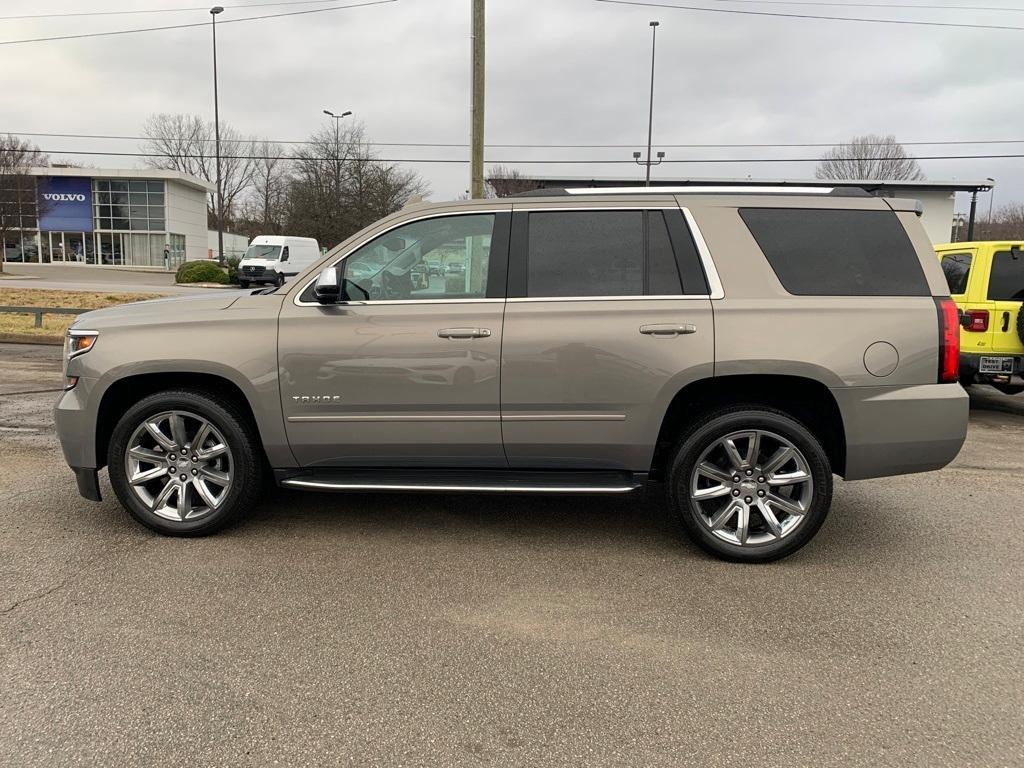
x=129, y=205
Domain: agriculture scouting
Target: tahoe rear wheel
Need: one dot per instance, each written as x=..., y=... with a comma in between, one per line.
x=184, y=463
x=750, y=484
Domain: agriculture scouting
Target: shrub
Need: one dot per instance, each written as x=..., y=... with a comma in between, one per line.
x=232, y=262
x=200, y=272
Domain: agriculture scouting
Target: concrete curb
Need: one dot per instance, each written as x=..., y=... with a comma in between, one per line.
x=206, y=285
x=18, y=277
x=28, y=338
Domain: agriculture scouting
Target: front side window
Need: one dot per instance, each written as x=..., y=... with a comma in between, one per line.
x=957, y=269
x=440, y=258
x=284, y=253
x=1006, y=282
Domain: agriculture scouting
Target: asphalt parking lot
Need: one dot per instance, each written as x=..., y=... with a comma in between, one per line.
x=404, y=630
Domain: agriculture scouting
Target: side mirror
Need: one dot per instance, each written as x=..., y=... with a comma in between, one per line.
x=328, y=286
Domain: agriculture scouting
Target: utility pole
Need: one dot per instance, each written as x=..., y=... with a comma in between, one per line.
x=216, y=132
x=477, y=160
x=650, y=113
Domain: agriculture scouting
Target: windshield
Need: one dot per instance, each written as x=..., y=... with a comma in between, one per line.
x=271, y=252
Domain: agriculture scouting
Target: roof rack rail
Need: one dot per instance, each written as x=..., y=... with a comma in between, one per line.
x=836, y=191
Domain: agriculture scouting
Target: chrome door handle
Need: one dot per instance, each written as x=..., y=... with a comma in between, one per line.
x=464, y=333
x=680, y=329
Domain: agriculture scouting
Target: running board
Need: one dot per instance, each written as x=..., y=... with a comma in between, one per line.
x=465, y=481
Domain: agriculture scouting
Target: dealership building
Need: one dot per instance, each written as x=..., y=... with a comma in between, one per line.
x=115, y=217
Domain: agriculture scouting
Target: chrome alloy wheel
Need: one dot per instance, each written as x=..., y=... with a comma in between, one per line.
x=179, y=465
x=752, y=487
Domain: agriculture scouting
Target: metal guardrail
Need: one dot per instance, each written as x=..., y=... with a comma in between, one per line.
x=40, y=311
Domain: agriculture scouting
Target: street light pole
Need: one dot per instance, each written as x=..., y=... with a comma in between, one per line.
x=216, y=132
x=650, y=113
x=337, y=151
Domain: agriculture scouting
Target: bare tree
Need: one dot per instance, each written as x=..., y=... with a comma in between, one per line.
x=869, y=157
x=339, y=187
x=186, y=143
x=1006, y=224
x=19, y=207
x=267, y=205
x=505, y=182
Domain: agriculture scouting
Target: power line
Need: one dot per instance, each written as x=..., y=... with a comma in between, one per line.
x=898, y=6
x=528, y=161
x=795, y=145
x=193, y=24
x=155, y=10
x=779, y=14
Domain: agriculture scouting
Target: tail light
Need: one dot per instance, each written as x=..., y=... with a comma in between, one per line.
x=949, y=340
x=976, y=320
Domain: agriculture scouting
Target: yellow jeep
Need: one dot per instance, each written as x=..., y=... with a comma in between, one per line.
x=986, y=279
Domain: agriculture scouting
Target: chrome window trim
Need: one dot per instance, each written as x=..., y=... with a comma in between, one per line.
x=402, y=223
x=632, y=297
x=715, y=290
x=710, y=271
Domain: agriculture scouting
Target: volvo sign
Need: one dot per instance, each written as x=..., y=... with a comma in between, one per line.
x=65, y=204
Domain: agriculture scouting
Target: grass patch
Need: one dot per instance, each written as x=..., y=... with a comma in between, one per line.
x=54, y=326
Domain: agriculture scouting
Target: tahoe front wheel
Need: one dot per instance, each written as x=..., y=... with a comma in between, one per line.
x=750, y=484
x=184, y=463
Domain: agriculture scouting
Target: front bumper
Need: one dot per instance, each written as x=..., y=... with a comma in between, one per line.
x=970, y=365
x=901, y=430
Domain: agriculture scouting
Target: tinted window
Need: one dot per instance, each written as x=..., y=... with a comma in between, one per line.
x=957, y=269
x=662, y=273
x=397, y=265
x=1006, y=282
x=586, y=253
x=837, y=253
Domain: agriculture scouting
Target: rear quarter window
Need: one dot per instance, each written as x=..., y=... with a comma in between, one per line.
x=1006, y=282
x=817, y=252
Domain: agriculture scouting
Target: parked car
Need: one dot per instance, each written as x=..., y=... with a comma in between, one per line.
x=986, y=279
x=732, y=347
x=274, y=258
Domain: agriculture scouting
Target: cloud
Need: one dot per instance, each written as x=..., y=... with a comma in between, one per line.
x=558, y=71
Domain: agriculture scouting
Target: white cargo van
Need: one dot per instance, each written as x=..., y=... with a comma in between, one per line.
x=272, y=258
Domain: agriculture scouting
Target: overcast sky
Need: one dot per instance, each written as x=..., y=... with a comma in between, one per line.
x=558, y=71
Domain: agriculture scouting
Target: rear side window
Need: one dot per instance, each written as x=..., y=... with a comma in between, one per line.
x=586, y=253
x=957, y=269
x=609, y=253
x=837, y=253
x=1006, y=283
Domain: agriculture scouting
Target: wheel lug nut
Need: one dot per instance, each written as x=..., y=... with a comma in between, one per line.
x=173, y=458
x=736, y=493
x=760, y=479
x=195, y=471
x=750, y=472
x=760, y=493
x=748, y=500
x=183, y=477
x=195, y=458
x=735, y=478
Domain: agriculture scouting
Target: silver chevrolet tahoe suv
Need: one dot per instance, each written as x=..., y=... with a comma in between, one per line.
x=734, y=347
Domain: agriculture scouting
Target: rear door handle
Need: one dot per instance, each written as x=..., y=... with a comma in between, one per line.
x=464, y=333
x=678, y=329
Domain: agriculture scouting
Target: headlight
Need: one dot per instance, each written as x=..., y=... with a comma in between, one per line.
x=78, y=342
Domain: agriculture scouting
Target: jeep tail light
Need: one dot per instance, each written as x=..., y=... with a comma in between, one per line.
x=976, y=320
x=949, y=341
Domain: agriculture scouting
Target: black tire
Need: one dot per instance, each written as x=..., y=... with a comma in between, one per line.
x=715, y=426
x=1020, y=324
x=279, y=280
x=1009, y=389
x=243, y=284
x=239, y=435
